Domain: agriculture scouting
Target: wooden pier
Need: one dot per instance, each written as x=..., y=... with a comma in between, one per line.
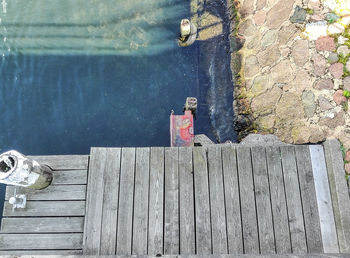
x=222, y=199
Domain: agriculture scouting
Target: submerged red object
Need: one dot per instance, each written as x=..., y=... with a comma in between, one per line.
x=181, y=130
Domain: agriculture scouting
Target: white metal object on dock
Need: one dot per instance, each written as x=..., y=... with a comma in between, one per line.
x=16, y=169
x=188, y=33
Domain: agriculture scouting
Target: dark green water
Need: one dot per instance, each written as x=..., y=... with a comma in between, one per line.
x=76, y=74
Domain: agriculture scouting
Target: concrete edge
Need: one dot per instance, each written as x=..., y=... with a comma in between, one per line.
x=339, y=192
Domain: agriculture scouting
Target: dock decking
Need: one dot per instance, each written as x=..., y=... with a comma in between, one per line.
x=222, y=199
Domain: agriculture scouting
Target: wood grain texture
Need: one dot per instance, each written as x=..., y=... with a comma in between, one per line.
x=111, y=175
x=248, y=208
x=126, y=199
x=294, y=206
x=94, y=201
x=47, y=208
x=324, y=201
x=232, y=200
x=309, y=201
x=217, y=201
x=69, y=177
x=40, y=253
x=263, y=203
x=187, y=223
x=171, y=209
x=43, y=225
x=278, y=200
x=140, y=224
x=339, y=192
x=51, y=193
x=63, y=162
x=202, y=205
x=156, y=198
x=40, y=241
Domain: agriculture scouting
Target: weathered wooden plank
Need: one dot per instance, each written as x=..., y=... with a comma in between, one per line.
x=34, y=252
x=171, y=209
x=248, y=209
x=126, y=197
x=47, y=208
x=278, y=200
x=42, y=225
x=139, y=242
x=156, y=197
x=232, y=201
x=263, y=203
x=324, y=201
x=69, y=177
x=51, y=193
x=309, y=201
x=40, y=241
x=339, y=192
x=40, y=253
x=63, y=162
x=294, y=206
x=94, y=201
x=202, y=206
x=187, y=228
x=217, y=201
x=110, y=201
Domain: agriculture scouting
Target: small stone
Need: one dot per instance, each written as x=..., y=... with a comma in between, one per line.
x=347, y=168
x=282, y=72
x=346, y=83
x=347, y=156
x=342, y=40
x=299, y=15
x=266, y=102
x=332, y=58
x=316, y=30
x=347, y=66
x=289, y=108
x=331, y=17
x=269, y=38
x=308, y=99
x=266, y=122
x=317, y=17
x=334, y=122
x=343, y=50
x=324, y=84
x=268, y=56
x=300, y=52
x=260, y=84
x=247, y=8
x=251, y=66
x=247, y=28
x=338, y=97
x=259, y=17
x=260, y=4
x=319, y=64
x=301, y=134
x=335, y=28
x=314, y=4
x=317, y=135
x=325, y=44
x=324, y=104
x=286, y=33
x=337, y=83
x=279, y=13
x=337, y=70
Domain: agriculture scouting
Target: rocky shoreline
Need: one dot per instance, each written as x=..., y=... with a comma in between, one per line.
x=293, y=70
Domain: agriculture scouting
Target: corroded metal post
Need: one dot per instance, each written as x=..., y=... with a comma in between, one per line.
x=16, y=169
